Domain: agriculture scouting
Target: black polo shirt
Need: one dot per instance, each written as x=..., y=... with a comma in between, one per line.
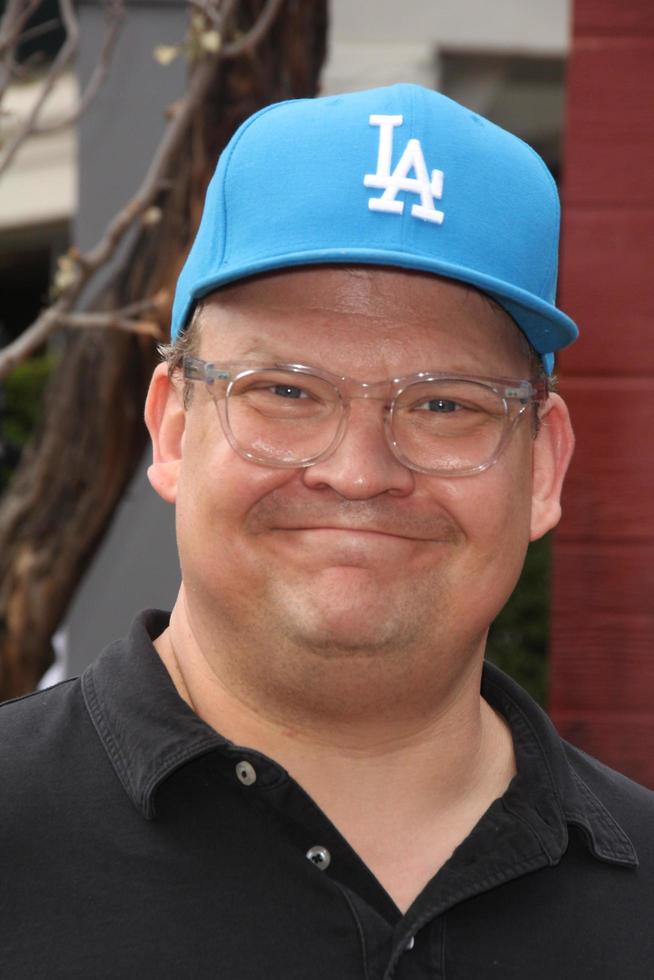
x=135, y=841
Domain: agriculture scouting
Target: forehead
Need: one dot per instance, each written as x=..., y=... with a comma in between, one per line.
x=347, y=317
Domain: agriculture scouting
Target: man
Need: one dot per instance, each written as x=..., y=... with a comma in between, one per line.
x=307, y=771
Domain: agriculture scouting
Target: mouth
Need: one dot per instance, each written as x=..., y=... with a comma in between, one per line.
x=355, y=533
x=359, y=521
x=352, y=530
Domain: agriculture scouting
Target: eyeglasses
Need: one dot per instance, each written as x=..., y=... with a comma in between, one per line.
x=292, y=415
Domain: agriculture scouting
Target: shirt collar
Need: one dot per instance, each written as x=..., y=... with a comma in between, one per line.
x=548, y=791
x=148, y=732
x=146, y=728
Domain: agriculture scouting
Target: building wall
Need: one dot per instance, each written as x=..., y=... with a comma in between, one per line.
x=601, y=665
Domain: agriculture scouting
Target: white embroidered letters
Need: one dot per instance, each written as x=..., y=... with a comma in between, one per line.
x=412, y=159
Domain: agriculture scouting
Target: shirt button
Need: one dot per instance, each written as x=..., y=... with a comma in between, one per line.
x=411, y=943
x=319, y=856
x=246, y=773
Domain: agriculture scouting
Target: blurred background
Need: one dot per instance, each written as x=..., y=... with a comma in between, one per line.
x=112, y=117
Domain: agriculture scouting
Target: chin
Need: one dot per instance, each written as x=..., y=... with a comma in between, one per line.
x=347, y=622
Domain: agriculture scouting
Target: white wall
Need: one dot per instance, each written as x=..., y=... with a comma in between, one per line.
x=378, y=42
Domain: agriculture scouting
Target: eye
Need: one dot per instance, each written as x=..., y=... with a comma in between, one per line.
x=442, y=406
x=289, y=391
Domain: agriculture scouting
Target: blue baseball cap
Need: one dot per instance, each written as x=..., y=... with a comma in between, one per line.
x=399, y=176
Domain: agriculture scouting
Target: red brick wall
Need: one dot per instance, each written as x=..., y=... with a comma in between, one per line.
x=602, y=639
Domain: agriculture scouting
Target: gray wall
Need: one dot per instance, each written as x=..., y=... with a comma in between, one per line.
x=135, y=568
x=136, y=565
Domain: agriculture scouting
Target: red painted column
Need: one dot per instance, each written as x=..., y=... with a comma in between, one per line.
x=602, y=636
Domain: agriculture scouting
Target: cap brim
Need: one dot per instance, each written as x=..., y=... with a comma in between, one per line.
x=547, y=328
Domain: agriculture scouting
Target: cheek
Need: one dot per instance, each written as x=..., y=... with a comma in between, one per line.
x=496, y=524
x=493, y=510
x=506, y=512
x=216, y=554
x=217, y=491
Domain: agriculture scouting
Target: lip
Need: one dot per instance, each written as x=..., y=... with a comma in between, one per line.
x=353, y=530
x=384, y=518
x=324, y=545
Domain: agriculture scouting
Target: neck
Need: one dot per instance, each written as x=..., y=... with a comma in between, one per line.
x=366, y=705
x=416, y=762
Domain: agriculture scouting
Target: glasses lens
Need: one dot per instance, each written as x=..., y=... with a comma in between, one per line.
x=283, y=417
x=449, y=426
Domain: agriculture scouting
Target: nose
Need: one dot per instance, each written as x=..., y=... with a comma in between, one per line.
x=362, y=465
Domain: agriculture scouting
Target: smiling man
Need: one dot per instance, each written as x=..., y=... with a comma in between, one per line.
x=307, y=770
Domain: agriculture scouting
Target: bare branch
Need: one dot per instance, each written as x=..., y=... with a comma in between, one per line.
x=16, y=15
x=39, y=29
x=116, y=14
x=64, y=55
x=152, y=182
x=152, y=306
x=112, y=321
x=83, y=266
x=262, y=25
x=31, y=339
x=226, y=12
x=218, y=14
x=58, y=316
x=69, y=480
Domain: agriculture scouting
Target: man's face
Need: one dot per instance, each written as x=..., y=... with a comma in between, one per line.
x=357, y=555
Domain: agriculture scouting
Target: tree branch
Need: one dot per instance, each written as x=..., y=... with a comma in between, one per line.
x=65, y=54
x=116, y=14
x=219, y=12
x=84, y=266
x=91, y=436
x=257, y=32
x=112, y=320
x=129, y=318
x=16, y=15
x=31, y=339
x=39, y=29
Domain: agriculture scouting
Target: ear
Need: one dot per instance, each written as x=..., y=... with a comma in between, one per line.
x=165, y=418
x=553, y=447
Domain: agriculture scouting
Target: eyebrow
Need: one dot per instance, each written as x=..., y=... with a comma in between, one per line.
x=260, y=354
x=258, y=351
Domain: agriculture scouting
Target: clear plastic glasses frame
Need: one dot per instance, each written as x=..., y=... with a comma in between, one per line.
x=315, y=408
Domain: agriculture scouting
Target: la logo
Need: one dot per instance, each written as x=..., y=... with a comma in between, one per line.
x=412, y=159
